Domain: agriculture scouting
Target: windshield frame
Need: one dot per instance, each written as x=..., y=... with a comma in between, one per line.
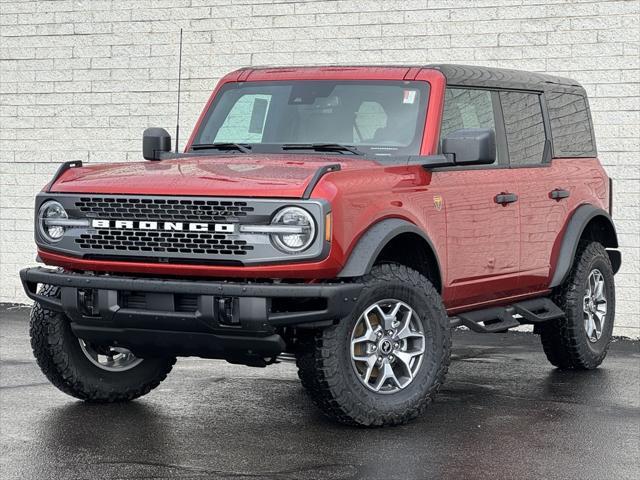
x=370, y=151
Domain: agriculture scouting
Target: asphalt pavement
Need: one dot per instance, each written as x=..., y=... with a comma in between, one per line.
x=504, y=413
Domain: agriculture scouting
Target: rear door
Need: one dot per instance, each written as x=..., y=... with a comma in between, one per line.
x=483, y=236
x=542, y=185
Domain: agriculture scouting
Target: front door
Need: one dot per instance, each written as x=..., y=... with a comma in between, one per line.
x=483, y=223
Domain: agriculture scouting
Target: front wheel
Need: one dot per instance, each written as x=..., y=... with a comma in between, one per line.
x=384, y=364
x=90, y=372
x=580, y=340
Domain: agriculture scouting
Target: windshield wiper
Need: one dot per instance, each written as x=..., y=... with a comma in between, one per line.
x=241, y=147
x=323, y=147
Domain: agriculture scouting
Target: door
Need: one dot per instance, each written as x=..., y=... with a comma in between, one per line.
x=542, y=186
x=482, y=216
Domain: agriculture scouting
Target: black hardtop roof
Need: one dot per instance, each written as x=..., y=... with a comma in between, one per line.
x=476, y=76
x=471, y=76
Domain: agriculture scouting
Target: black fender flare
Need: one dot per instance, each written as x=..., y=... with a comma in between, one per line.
x=572, y=235
x=369, y=246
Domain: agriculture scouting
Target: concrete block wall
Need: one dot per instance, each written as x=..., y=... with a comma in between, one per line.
x=80, y=79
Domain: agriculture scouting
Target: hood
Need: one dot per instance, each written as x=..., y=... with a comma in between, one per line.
x=231, y=175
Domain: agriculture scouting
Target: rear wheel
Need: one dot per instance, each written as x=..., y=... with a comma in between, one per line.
x=90, y=372
x=582, y=338
x=383, y=365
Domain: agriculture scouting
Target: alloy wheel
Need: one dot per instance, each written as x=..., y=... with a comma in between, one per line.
x=595, y=305
x=112, y=359
x=387, y=346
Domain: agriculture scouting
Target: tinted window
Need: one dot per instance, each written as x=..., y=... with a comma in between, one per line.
x=570, y=125
x=466, y=108
x=524, y=127
x=380, y=118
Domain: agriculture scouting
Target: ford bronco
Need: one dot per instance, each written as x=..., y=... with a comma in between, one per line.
x=344, y=217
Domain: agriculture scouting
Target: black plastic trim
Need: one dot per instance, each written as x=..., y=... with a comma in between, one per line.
x=341, y=297
x=316, y=178
x=369, y=246
x=245, y=350
x=499, y=319
x=61, y=169
x=575, y=227
x=478, y=76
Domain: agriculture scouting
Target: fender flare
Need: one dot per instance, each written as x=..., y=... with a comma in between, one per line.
x=369, y=246
x=572, y=235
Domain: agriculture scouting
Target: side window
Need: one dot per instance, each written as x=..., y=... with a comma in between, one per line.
x=524, y=127
x=245, y=121
x=466, y=108
x=570, y=125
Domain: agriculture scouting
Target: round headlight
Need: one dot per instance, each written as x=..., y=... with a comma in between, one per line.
x=302, y=238
x=49, y=211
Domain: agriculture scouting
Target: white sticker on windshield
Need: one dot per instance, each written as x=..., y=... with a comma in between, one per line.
x=409, y=96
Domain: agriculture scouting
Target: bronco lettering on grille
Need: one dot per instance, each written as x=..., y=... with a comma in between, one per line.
x=167, y=226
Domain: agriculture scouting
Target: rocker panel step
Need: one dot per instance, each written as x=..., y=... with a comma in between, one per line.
x=499, y=319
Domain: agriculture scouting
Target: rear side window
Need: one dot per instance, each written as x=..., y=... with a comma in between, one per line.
x=570, y=125
x=524, y=127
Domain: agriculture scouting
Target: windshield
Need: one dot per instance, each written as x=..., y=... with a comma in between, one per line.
x=375, y=118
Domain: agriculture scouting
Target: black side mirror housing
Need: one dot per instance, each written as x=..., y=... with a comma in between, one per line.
x=155, y=142
x=471, y=146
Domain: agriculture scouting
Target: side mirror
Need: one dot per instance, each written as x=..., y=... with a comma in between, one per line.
x=155, y=142
x=471, y=146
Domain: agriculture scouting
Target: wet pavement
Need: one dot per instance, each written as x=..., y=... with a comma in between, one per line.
x=503, y=413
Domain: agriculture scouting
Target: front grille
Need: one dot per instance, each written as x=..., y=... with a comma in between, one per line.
x=176, y=229
x=162, y=242
x=162, y=209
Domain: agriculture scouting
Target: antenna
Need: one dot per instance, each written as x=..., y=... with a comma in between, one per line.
x=179, y=80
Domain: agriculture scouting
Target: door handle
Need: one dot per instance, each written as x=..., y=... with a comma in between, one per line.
x=559, y=193
x=505, y=198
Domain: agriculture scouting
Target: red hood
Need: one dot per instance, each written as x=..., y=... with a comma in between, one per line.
x=228, y=175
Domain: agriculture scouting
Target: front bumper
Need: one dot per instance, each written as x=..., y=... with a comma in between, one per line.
x=240, y=322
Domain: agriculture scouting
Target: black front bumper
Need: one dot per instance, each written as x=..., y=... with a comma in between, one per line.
x=240, y=322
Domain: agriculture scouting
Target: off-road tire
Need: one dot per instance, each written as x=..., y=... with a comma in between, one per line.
x=565, y=340
x=60, y=357
x=326, y=371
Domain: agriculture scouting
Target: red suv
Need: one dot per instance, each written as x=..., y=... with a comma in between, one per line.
x=347, y=217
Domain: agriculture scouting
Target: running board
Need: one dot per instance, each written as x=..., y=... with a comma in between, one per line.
x=499, y=319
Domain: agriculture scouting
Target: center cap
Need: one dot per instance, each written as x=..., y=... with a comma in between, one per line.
x=386, y=346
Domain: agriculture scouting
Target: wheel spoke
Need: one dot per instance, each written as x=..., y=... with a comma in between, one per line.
x=599, y=292
x=597, y=324
x=378, y=309
x=590, y=326
x=405, y=359
x=406, y=333
x=368, y=359
x=390, y=318
x=386, y=374
x=585, y=305
x=369, y=336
